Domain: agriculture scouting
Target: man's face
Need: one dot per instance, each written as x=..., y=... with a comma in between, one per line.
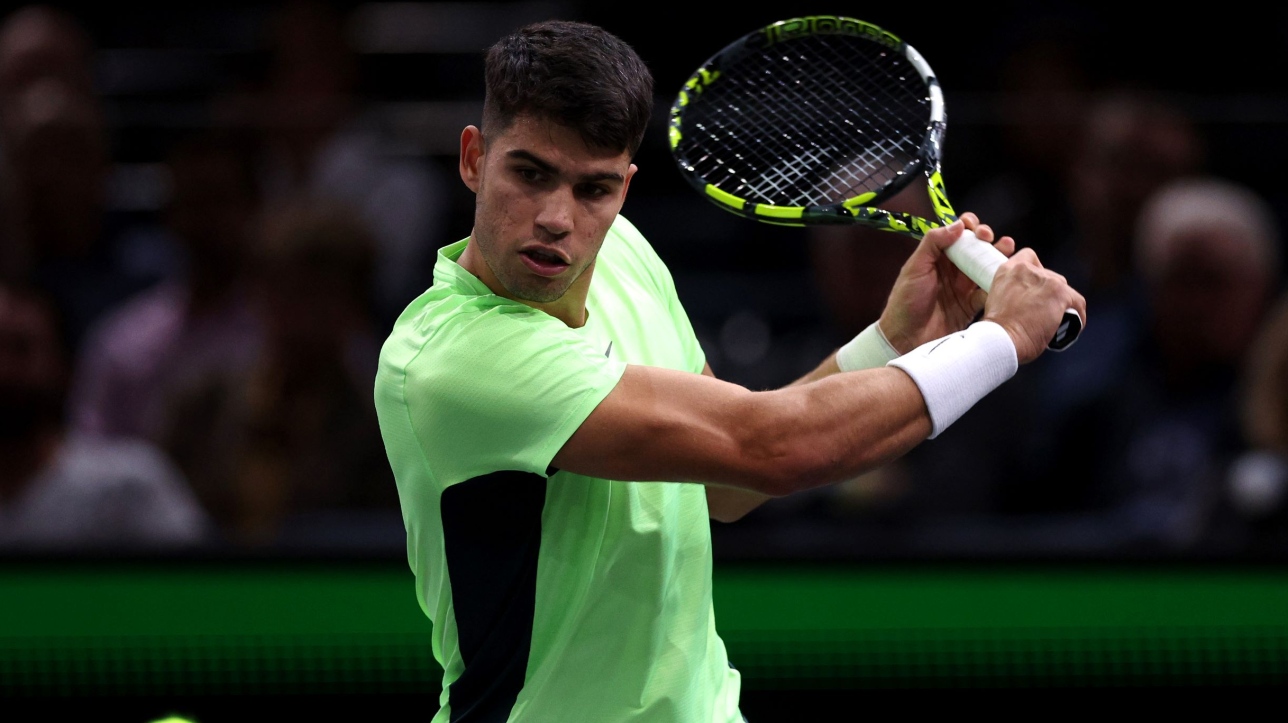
x=544, y=202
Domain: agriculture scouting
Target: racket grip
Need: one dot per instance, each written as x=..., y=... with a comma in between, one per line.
x=979, y=261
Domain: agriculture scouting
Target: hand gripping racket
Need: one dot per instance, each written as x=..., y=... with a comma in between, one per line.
x=817, y=120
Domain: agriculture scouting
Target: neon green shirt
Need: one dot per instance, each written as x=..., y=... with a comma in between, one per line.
x=554, y=597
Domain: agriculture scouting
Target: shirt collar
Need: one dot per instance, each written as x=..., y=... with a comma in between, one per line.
x=447, y=271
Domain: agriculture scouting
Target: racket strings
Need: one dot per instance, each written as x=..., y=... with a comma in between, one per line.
x=838, y=132
x=807, y=122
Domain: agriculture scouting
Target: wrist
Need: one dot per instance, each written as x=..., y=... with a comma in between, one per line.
x=1014, y=334
x=900, y=343
x=869, y=350
x=956, y=371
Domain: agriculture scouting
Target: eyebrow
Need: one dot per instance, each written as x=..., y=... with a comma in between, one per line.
x=548, y=167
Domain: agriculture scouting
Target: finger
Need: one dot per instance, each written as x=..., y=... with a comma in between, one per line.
x=1006, y=245
x=938, y=239
x=1080, y=305
x=984, y=232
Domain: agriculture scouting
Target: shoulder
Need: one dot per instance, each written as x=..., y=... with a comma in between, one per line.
x=458, y=347
x=628, y=253
x=116, y=461
x=114, y=491
x=625, y=238
x=448, y=324
x=98, y=473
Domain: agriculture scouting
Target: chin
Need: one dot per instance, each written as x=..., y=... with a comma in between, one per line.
x=539, y=294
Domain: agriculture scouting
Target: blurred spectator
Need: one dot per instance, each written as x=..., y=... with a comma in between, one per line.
x=1044, y=84
x=1151, y=452
x=66, y=491
x=270, y=446
x=58, y=233
x=37, y=43
x=1134, y=143
x=200, y=321
x=319, y=143
x=1257, y=485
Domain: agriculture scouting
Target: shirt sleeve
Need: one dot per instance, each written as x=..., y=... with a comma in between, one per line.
x=502, y=390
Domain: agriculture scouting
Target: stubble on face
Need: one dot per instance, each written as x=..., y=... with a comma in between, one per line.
x=490, y=228
x=513, y=214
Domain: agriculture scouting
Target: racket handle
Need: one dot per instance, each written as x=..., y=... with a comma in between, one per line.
x=979, y=261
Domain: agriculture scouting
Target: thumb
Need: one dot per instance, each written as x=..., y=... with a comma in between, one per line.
x=938, y=239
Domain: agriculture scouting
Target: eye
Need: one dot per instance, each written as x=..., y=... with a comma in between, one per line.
x=531, y=175
x=594, y=191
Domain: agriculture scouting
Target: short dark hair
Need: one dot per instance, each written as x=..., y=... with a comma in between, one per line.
x=575, y=74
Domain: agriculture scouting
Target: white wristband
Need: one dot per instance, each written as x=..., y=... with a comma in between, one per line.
x=868, y=350
x=956, y=371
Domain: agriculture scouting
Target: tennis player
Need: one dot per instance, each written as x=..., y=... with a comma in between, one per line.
x=559, y=441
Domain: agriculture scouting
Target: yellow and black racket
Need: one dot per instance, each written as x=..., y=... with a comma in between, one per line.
x=818, y=120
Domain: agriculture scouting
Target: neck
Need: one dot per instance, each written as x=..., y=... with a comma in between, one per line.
x=569, y=308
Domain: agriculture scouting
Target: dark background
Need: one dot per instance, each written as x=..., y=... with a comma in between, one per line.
x=751, y=289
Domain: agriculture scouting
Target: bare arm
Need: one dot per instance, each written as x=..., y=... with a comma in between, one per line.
x=730, y=504
x=662, y=424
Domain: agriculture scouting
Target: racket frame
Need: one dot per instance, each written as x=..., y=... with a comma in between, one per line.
x=977, y=259
x=859, y=209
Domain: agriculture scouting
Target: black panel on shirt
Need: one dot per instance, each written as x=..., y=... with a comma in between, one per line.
x=492, y=536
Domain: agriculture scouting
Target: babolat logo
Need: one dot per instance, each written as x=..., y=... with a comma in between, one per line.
x=697, y=84
x=828, y=25
x=938, y=196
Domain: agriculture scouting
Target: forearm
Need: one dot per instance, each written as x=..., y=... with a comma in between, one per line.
x=729, y=504
x=666, y=425
x=661, y=424
x=858, y=450
x=841, y=424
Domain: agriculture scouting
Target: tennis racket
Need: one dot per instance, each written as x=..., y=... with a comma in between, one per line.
x=818, y=120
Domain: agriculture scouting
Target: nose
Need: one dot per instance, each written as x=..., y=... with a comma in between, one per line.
x=556, y=214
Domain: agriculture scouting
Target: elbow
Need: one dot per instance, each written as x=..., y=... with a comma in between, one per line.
x=728, y=516
x=784, y=453
x=779, y=465
x=773, y=447
x=786, y=471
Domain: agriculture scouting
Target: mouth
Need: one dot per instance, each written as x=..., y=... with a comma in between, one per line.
x=543, y=262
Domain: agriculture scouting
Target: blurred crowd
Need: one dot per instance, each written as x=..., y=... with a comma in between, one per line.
x=201, y=376
x=1164, y=430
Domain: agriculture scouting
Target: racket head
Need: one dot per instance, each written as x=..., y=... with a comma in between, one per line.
x=813, y=120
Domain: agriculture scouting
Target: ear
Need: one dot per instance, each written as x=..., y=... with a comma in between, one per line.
x=472, y=157
x=626, y=184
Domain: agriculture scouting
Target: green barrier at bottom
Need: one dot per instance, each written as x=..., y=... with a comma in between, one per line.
x=140, y=630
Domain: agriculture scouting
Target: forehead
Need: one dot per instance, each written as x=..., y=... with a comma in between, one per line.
x=557, y=144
